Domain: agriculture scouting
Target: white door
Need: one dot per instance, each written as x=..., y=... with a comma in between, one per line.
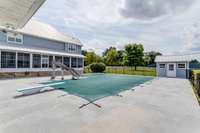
x=171, y=70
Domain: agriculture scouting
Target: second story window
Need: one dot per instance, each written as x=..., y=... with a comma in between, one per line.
x=72, y=48
x=14, y=38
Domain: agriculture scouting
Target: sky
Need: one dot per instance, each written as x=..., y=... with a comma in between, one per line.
x=166, y=26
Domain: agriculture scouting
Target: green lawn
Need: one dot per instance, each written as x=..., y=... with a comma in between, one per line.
x=128, y=70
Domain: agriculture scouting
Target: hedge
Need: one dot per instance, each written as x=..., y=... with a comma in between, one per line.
x=195, y=80
x=98, y=67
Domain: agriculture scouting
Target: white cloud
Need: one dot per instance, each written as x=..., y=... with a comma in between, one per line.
x=166, y=26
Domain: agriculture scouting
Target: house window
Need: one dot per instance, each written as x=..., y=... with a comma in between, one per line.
x=181, y=65
x=66, y=61
x=162, y=65
x=8, y=59
x=14, y=38
x=23, y=60
x=73, y=62
x=36, y=61
x=80, y=62
x=72, y=48
x=45, y=61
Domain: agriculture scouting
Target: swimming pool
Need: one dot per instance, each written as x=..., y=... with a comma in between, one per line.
x=96, y=86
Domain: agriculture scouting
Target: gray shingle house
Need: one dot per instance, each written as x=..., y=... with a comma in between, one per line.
x=34, y=47
x=175, y=65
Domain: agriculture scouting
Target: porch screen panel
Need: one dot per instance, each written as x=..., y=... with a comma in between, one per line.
x=8, y=59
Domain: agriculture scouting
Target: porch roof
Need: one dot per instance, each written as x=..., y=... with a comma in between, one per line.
x=16, y=13
x=39, y=51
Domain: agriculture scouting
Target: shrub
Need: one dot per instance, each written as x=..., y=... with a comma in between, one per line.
x=98, y=67
x=195, y=79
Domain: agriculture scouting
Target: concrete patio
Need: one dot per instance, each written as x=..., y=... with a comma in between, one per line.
x=164, y=105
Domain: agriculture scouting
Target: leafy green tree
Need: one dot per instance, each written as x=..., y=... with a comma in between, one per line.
x=91, y=57
x=152, y=55
x=111, y=57
x=84, y=52
x=120, y=57
x=146, y=60
x=134, y=55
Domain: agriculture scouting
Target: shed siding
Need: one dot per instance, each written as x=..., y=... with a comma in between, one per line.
x=180, y=73
x=161, y=72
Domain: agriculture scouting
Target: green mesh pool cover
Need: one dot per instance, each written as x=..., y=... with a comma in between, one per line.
x=96, y=86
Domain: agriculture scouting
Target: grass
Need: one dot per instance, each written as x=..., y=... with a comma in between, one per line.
x=145, y=71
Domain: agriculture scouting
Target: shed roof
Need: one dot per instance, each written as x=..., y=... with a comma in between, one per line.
x=178, y=58
x=16, y=13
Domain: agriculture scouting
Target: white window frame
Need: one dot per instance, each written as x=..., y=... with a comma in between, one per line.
x=162, y=67
x=15, y=36
x=181, y=64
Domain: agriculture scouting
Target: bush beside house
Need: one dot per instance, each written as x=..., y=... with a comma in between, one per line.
x=98, y=67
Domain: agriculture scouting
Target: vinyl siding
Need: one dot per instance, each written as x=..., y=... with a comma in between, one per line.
x=161, y=72
x=36, y=42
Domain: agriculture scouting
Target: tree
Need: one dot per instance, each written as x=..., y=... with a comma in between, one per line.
x=120, y=57
x=134, y=55
x=111, y=57
x=84, y=52
x=91, y=57
x=152, y=55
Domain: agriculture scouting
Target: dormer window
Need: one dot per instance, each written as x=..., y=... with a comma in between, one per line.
x=14, y=38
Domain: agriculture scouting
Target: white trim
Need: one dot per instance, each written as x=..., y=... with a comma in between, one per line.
x=181, y=68
x=14, y=36
x=38, y=51
x=171, y=73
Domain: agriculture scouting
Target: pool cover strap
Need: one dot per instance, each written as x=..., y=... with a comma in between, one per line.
x=99, y=106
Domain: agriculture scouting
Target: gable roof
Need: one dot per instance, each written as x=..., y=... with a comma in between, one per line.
x=39, y=29
x=16, y=13
x=178, y=58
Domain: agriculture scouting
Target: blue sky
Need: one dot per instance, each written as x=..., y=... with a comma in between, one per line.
x=167, y=26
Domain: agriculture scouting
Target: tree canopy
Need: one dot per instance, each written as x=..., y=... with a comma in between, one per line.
x=131, y=55
x=134, y=55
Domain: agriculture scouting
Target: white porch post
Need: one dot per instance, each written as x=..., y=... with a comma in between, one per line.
x=41, y=61
x=0, y=58
x=31, y=60
x=16, y=60
x=70, y=62
x=76, y=62
x=82, y=62
x=54, y=68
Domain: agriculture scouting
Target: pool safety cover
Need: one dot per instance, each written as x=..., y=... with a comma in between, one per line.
x=93, y=87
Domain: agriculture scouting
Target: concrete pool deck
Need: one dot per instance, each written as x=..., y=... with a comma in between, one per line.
x=164, y=105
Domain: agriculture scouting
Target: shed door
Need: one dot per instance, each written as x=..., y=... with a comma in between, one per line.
x=171, y=70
